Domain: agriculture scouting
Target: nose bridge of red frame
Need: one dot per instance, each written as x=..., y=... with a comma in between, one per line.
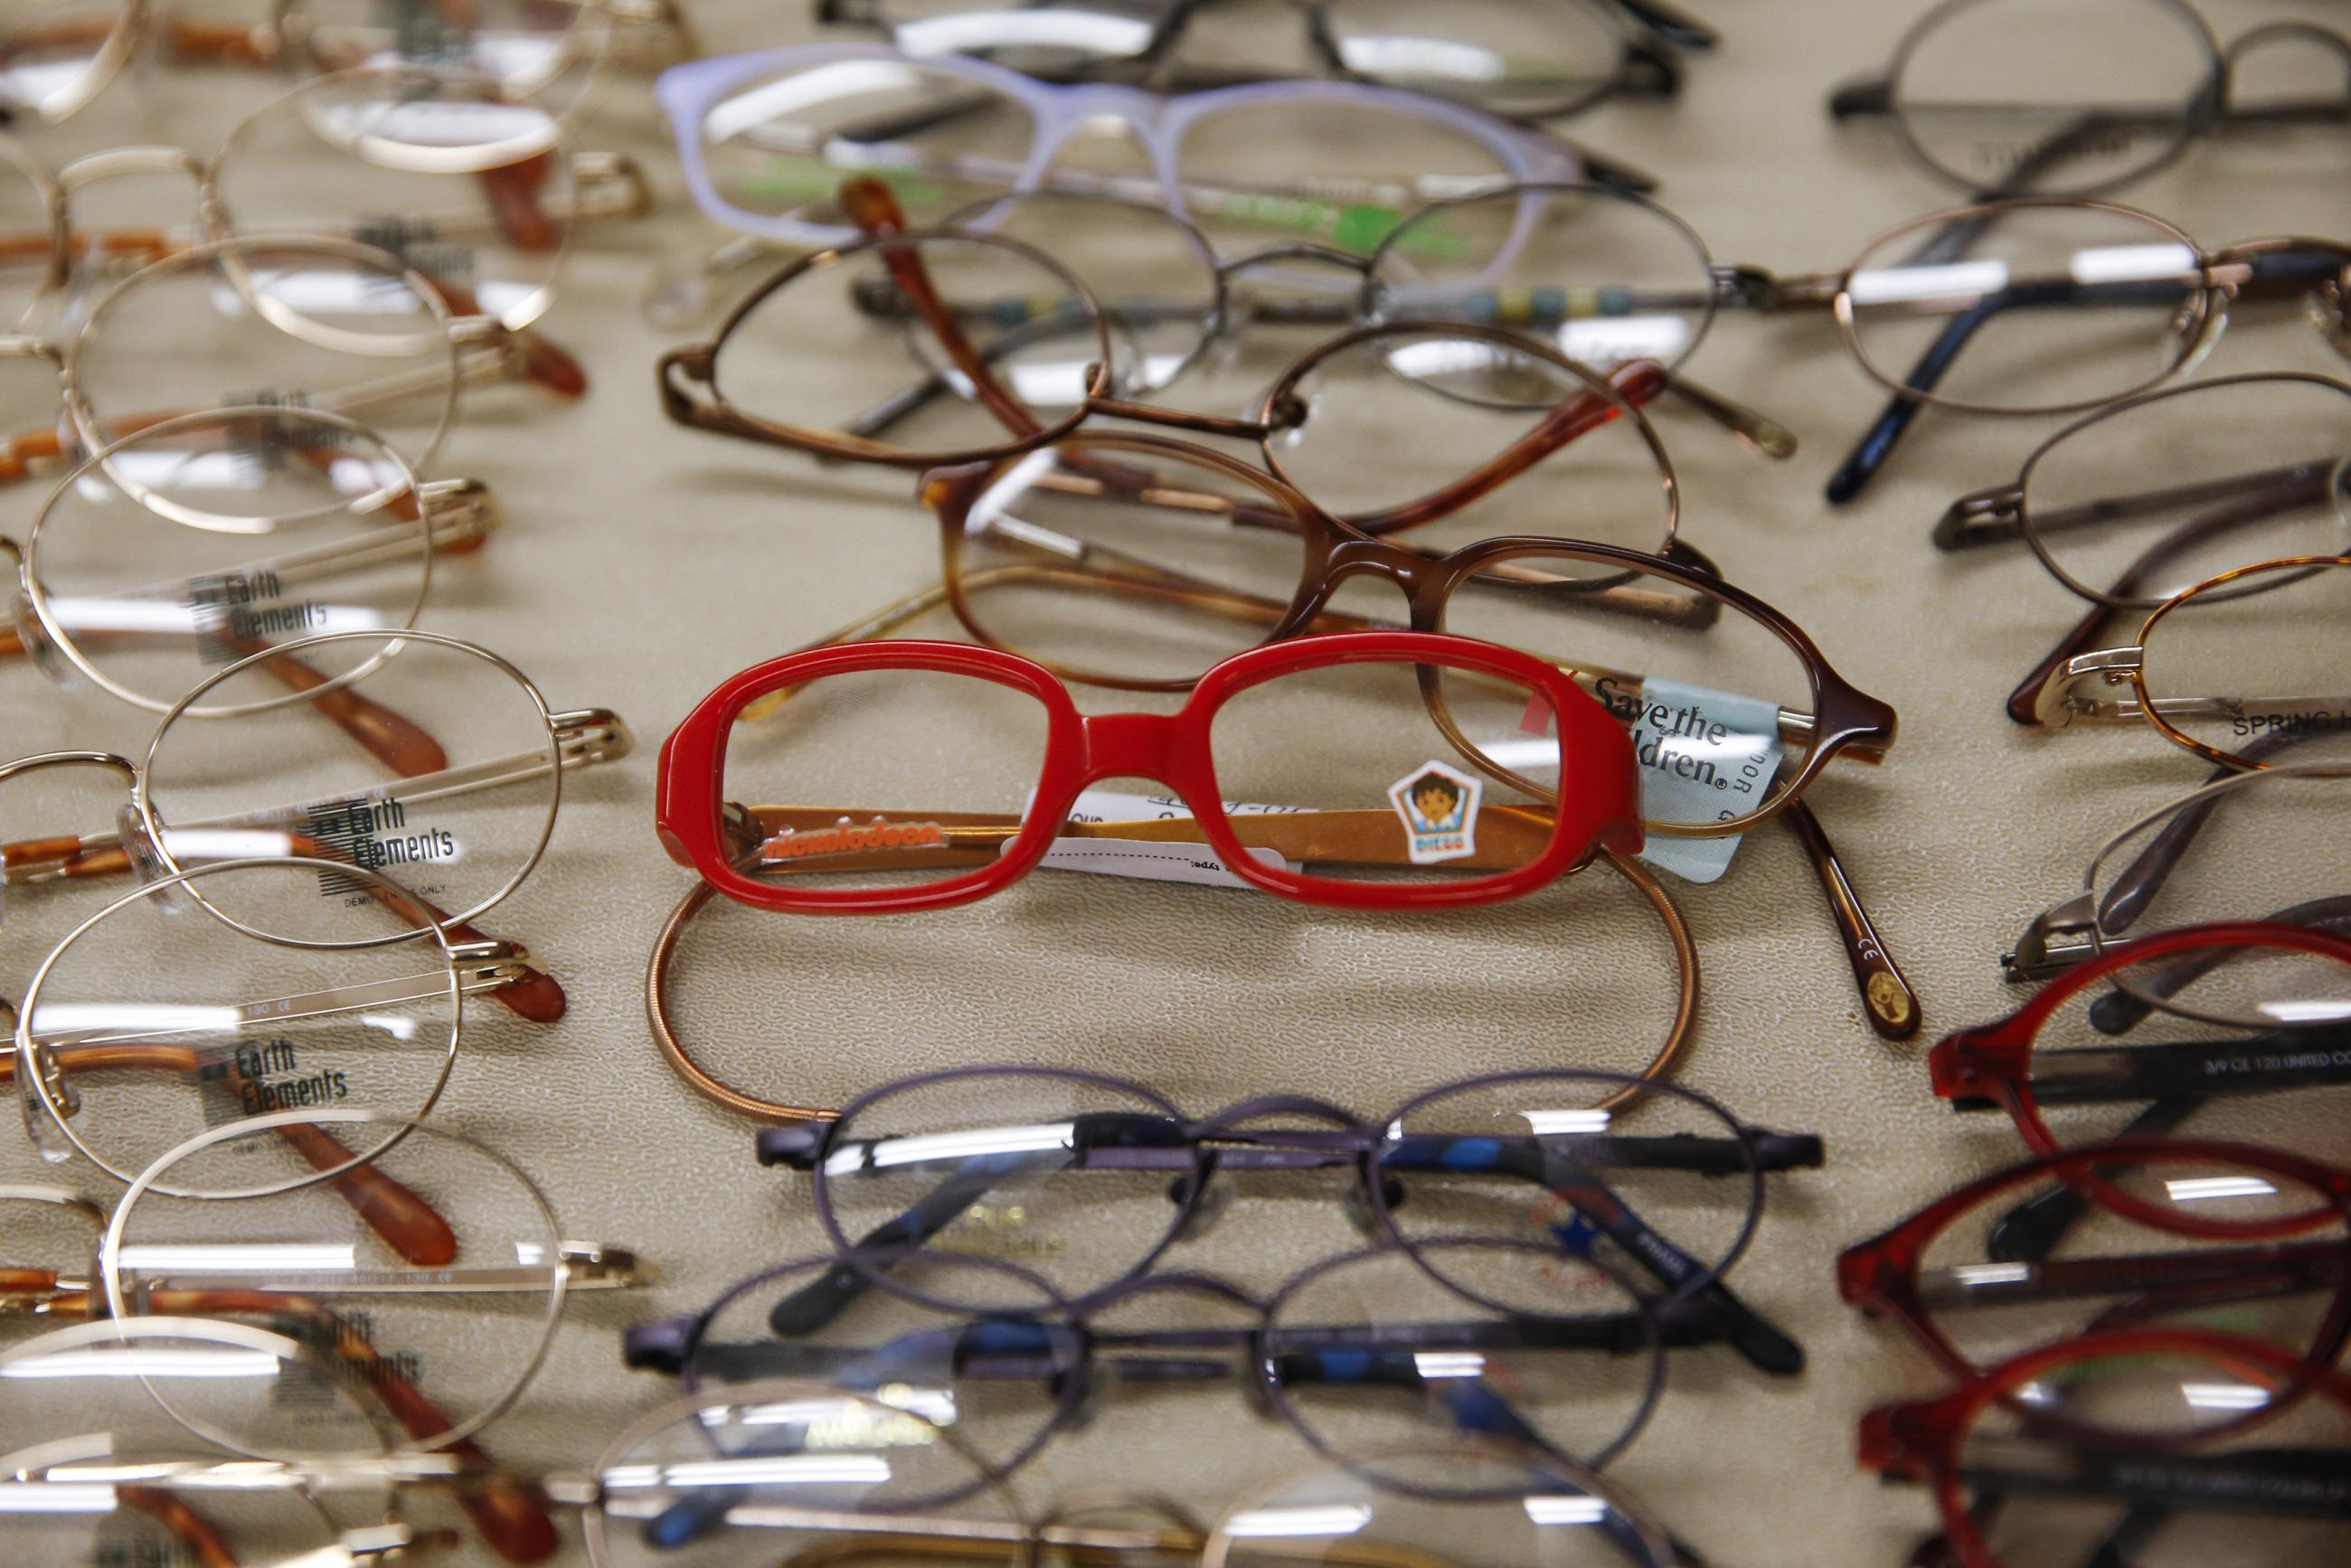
x=1126, y=746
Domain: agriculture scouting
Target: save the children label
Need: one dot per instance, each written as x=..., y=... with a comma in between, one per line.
x=1705, y=756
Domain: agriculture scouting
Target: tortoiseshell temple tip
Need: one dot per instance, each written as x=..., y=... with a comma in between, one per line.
x=1888, y=1000
x=553, y=367
x=535, y=997
x=512, y=192
x=514, y=1524
x=871, y=205
x=413, y=1227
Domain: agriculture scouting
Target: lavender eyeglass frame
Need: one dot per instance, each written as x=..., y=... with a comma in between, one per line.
x=1341, y=1139
x=1158, y=123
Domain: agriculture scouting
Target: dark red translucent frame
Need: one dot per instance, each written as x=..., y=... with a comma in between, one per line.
x=1926, y=1442
x=1598, y=804
x=1888, y=1275
x=1994, y=1063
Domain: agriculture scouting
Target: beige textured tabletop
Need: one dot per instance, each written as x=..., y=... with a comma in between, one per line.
x=642, y=563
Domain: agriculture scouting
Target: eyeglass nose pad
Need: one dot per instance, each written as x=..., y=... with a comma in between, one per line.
x=1202, y=1218
x=147, y=864
x=46, y=1137
x=1256, y=1380
x=2207, y=324
x=1090, y=1377
x=2329, y=305
x=48, y=657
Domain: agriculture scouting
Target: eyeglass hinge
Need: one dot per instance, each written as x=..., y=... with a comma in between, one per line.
x=457, y=511
x=2116, y=664
x=1981, y=517
x=593, y=1266
x=2058, y=939
x=742, y=829
x=489, y=961
x=481, y=332
x=1747, y=288
x=591, y=735
x=609, y=185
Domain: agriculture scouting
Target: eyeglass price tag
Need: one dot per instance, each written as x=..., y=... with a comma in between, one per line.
x=1151, y=862
x=1612, y=339
x=430, y=122
x=316, y=288
x=1147, y=859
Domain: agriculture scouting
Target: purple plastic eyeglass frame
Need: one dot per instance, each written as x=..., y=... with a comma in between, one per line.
x=1158, y=123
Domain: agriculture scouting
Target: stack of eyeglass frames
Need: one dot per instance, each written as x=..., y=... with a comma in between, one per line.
x=1291, y=399
x=232, y=372
x=2146, y=1328
x=987, y=363
x=763, y=1471
x=1522, y=1285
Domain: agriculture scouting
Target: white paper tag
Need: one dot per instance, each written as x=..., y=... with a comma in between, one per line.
x=1150, y=859
x=318, y=290
x=1893, y=284
x=1117, y=806
x=1152, y=862
x=2132, y=263
x=1612, y=339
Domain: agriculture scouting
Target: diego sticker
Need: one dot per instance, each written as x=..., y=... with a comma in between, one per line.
x=1440, y=807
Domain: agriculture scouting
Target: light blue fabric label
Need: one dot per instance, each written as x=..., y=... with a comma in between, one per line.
x=1705, y=756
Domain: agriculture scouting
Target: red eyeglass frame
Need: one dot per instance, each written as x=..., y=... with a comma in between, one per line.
x=1994, y=1061
x=1920, y=1441
x=1601, y=811
x=1880, y=1276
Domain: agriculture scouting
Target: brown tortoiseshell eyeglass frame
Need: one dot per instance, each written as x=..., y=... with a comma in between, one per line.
x=1283, y=408
x=1844, y=720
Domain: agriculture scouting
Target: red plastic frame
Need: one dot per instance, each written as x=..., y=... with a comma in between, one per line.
x=1880, y=1276
x=1599, y=801
x=1920, y=1441
x=1994, y=1061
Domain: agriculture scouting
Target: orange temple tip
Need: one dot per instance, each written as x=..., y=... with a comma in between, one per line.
x=515, y=1525
x=410, y=1225
x=872, y=206
x=536, y=996
x=392, y=740
x=553, y=368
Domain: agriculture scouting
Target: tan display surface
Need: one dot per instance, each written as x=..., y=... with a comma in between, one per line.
x=640, y=564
